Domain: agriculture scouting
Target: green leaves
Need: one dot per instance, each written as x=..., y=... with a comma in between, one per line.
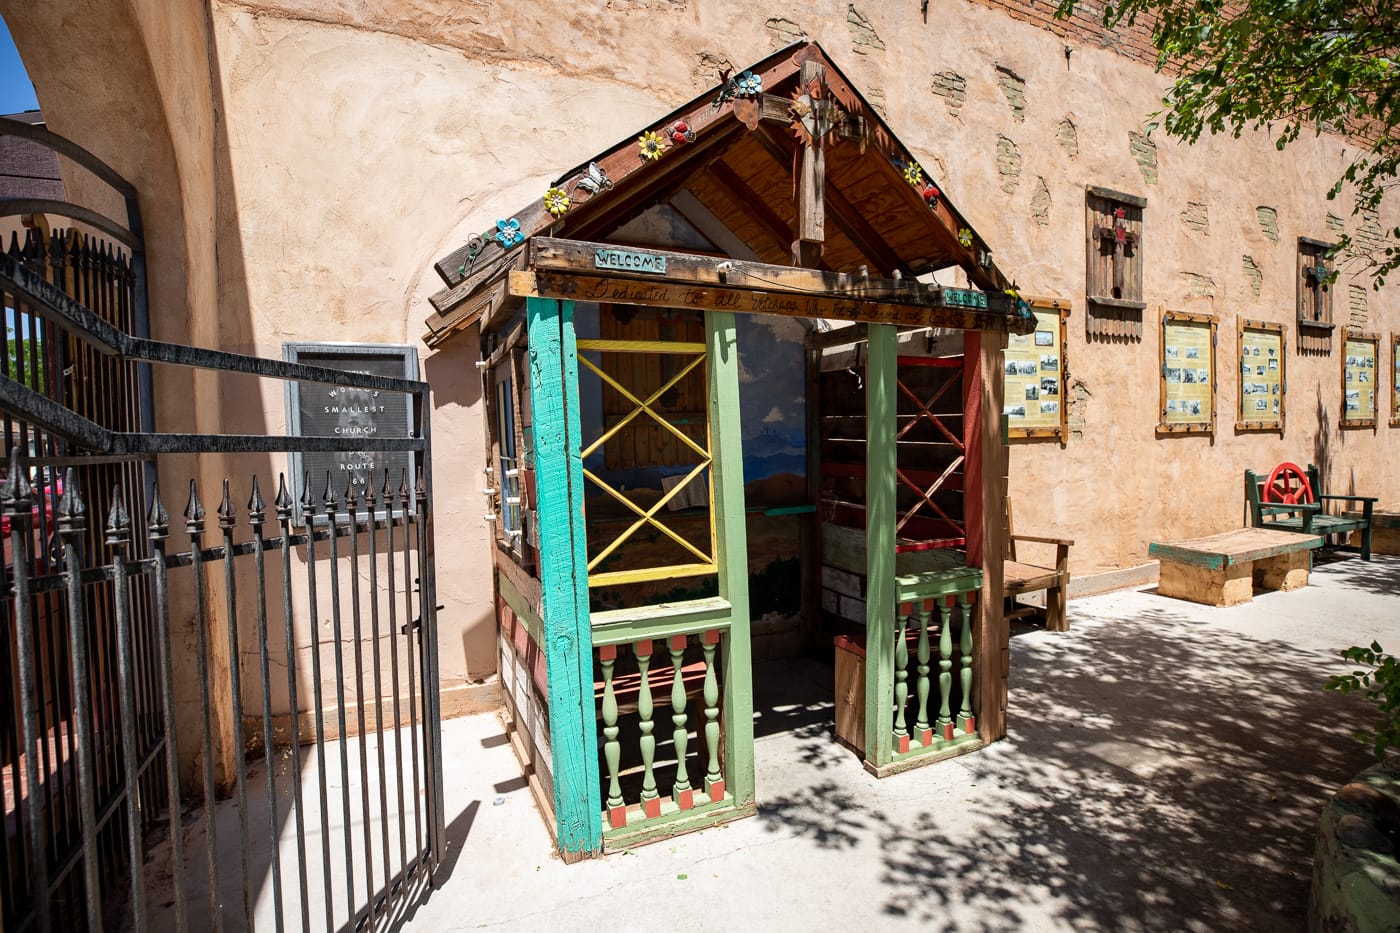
x=1380, y=684
x=1284, y=66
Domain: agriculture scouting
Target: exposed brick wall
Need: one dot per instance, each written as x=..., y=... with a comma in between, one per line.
x=1084, y=27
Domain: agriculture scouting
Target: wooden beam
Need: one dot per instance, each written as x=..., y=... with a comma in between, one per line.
x=568, y=641
x=662, y=294
x=881, y=389
x=747, y=200
x=848, y=218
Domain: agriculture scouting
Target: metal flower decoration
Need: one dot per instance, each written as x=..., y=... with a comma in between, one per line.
x=652, y=146
x=965, y=238
x=749, y=84
x=914, y=174
x=556, y=201
x=508, y=232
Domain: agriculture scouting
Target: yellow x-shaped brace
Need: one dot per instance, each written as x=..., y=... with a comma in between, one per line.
x=648, y=516
x=644, y=406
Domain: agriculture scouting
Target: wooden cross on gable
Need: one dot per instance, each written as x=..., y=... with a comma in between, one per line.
x=813, y=119
x=1121, y=240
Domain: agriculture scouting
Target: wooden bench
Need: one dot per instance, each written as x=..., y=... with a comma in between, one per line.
x=1309, y=517
x=1021, y=577
x=1385, y=532
x=1223, y=569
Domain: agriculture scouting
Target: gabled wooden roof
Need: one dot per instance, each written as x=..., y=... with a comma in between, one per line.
x=738, y=150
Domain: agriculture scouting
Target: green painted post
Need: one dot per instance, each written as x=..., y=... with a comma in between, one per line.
x=731, y=539
x=568, y=642
x=880, y=392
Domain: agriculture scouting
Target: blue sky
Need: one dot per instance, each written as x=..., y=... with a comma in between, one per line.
x=16, y=93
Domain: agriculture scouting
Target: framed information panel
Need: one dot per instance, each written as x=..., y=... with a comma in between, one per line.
x=329, y=410
x=1263, y=376
x=1034, y=374
x=1395, y=380
x=1360, y=378
x=1188, y=373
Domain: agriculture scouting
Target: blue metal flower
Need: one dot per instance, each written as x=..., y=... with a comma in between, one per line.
x=508, y=232
x=750, y=84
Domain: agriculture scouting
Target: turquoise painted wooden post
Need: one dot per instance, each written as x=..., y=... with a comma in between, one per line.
x=731, y=540
x=568, y=642
x=881, y=387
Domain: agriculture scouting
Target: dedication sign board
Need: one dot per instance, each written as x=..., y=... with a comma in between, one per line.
x=1360, y=377
x=1034, y=373
x=1188, y=373
x=319, y=409
x=1263, y=380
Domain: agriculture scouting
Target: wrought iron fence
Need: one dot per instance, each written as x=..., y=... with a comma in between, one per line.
x=138, y=791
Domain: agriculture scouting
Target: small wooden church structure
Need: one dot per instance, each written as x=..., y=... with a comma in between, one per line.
x=624, y=320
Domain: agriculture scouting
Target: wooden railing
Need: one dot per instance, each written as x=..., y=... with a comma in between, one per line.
x=671, y=660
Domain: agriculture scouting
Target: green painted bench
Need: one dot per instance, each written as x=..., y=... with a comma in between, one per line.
x=1309, y=517
x=1385, y=531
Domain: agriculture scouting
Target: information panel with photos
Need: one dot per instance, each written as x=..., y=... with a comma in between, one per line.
x=1395, y=380
x=1034, y=374
x=1188, y=373
x=1263, y=378
x=1360, y=378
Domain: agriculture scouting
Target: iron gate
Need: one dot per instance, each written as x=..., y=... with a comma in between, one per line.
x=158, y=771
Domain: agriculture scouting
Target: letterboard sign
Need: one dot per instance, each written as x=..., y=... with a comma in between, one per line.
x=317, y=409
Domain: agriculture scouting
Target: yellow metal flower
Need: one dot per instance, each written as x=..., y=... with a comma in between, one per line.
x=556, y=201
x=651, y=145
x=914, y=174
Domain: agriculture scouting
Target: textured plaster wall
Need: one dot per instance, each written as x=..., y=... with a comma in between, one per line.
x=303, y=170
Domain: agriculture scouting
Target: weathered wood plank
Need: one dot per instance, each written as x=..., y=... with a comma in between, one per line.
x=563, y=576
x=743, y=301
x=1233, y=547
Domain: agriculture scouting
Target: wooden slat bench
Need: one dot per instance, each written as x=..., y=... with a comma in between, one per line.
x=1385, y=531
x=1223, y=569
x=1309, y=517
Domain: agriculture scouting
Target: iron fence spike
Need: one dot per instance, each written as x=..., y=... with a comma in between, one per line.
x=386, y=493
x=118, y=521
x=257, y=508
x=329, y=498
x=17, y=490
x=157, y=518
x=283, y=502
x=72, y=511
x=308, y=501
x=194, y=511
x=228, y=515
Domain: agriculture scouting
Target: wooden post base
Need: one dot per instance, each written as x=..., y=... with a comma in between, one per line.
x=1225, y=586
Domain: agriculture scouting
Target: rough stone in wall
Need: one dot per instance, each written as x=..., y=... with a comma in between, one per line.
x=1369, y=235
x=952, y=87
x=1145, y=152
x=1254, y=274
x=708, y=67
x=1196, y=217
x=1356, y=298
x=1335, y=225
x=1078, y=407
x=1008, y=164
x=1200, y=286
x=784, y=31
x=1014, y=87
x=875, y=96
x=1268, y=222
x=864, y=39
x=1067, y=134
x=1040, y=202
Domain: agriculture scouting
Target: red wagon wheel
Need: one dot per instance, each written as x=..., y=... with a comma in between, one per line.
x=1288, y=484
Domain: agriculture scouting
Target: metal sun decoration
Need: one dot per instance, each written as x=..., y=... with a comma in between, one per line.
x=965, y=238
x=651, y=145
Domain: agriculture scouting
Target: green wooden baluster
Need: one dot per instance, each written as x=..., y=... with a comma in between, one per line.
x=966, y=722
x=612, y=749
x=901, y=677
x=945, y=669
x=714, y=782
x=651, y=800
x=681, y=792
x=921, y=684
